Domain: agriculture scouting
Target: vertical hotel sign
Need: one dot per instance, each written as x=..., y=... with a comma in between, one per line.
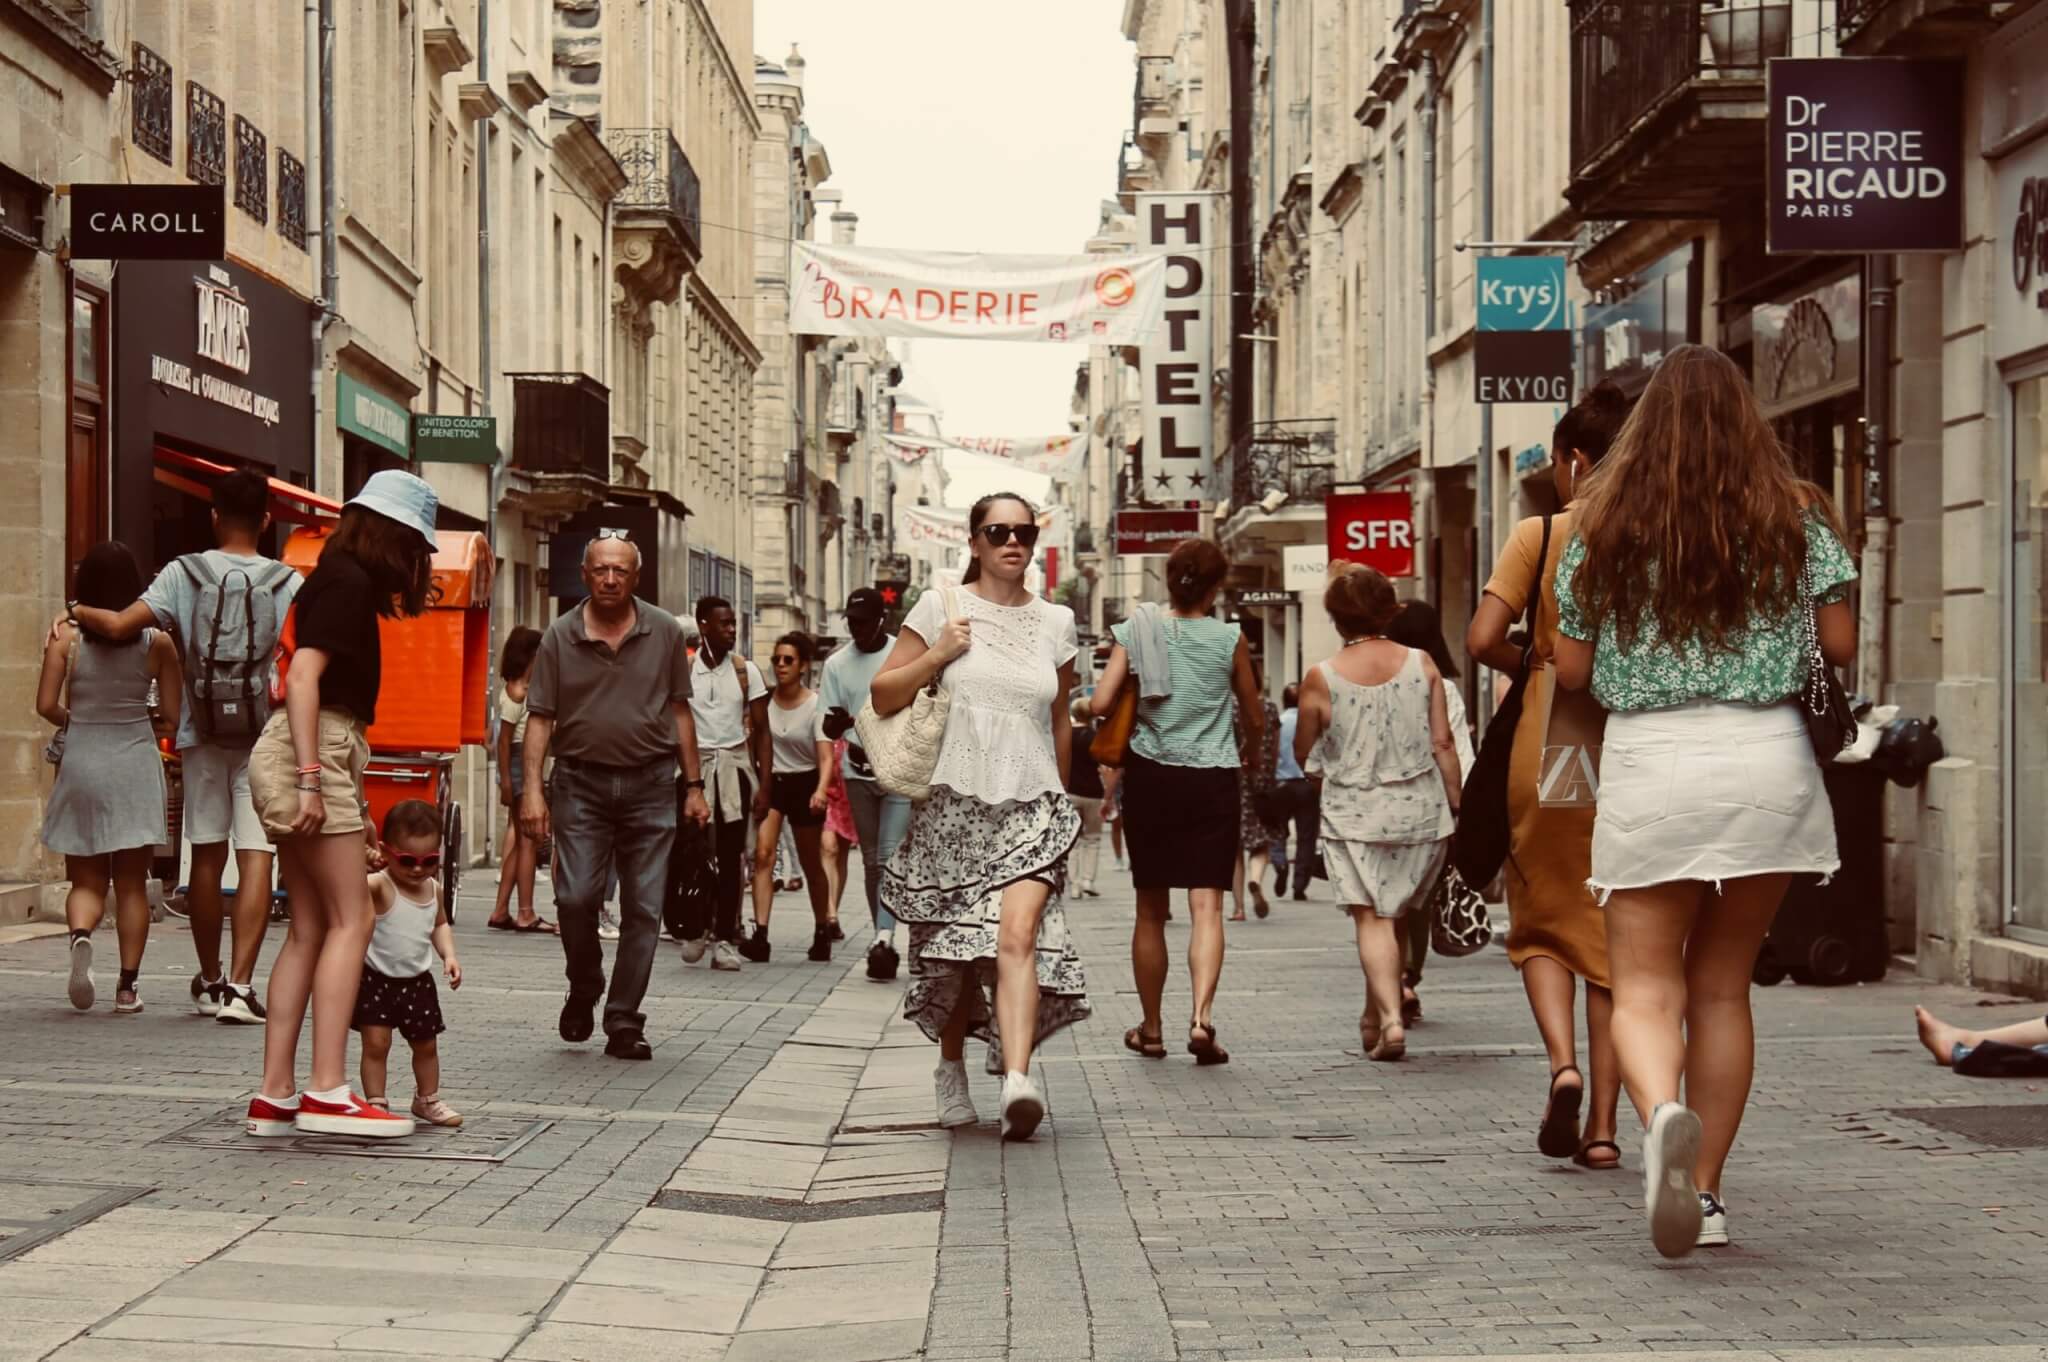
x=1173, y=366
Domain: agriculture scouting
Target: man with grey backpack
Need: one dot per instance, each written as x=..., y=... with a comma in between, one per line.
x=226, y=607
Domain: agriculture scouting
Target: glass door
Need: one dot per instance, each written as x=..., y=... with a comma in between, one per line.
x=2026, y=833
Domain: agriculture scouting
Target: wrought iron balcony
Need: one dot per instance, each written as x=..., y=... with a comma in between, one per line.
x=1668, y=103
x=561, y=430
x=1918, y=27
x=660, y=182
x=1298, y=458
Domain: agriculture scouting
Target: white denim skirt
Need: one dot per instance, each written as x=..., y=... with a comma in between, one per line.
x=1709, y=791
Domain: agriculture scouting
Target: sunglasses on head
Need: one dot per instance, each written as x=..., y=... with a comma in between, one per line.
x=999, y=535
x=609, y=532
x=430, y=861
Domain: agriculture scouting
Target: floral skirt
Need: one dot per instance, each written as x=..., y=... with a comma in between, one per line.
x=946, y=883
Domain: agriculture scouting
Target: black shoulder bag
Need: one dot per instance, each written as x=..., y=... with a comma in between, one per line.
x=1483, y=824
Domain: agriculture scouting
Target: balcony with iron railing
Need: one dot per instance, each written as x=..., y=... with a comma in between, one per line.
x=662, y=201
x=1668, y=104
x=1919, y=27
x=561, y=440
x=1297, y=458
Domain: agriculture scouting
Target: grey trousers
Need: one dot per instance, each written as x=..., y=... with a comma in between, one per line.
x=612, y=819
x=881, y=819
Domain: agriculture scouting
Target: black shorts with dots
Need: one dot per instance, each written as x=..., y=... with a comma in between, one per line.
x=412, y=1007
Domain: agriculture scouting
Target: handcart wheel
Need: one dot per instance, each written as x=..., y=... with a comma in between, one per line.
x=451, y=859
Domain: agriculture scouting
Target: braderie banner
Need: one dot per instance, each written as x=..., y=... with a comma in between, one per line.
x=954, y=295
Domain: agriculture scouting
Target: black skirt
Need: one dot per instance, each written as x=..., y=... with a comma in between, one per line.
x=412, y=1007
x=1181, y=824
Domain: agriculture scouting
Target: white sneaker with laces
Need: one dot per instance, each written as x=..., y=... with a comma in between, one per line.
x=80, y=986
x=1713, y=1222
x=723, y=956
x=1670, y=1199
x=607, y=925
x=1023, y=1105
x=694, y=948
x=238, y=1006
x=956, y=1102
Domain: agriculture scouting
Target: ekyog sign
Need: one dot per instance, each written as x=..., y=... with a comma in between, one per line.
x=1522, y=349
x=1866, y=155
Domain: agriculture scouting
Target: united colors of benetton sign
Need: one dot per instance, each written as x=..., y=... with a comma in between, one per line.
x=1865, y=154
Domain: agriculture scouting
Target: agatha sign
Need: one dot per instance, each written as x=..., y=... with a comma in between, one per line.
x=1865, y=155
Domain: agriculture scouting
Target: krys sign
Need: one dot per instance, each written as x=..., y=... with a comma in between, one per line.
x=1522, y=351
x=1866, y=154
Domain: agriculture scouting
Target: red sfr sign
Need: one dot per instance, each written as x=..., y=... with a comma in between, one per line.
x=1374, y=528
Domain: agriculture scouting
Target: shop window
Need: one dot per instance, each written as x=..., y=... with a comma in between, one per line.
x=206, y=135
x=2027, y=687
x=149, y=124
x=86, y=497
x=359, y=459
x=291, y=198
x=252, y=170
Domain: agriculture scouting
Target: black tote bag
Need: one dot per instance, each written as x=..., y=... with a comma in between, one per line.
x=1483, y=825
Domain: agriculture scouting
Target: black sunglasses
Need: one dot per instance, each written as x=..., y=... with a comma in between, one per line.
x=999, y=535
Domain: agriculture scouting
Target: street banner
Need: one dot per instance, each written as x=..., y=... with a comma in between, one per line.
x=1374, y=528
x=1153, y=530
x=149, y=221
x=1865, y=155
x=1522, y=349
x=956, y=295
x=1179, y=461
x=913, y=448
x=1058, y=456
x=924, y=525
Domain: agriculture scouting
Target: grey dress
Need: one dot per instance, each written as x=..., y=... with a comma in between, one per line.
x=110, y=790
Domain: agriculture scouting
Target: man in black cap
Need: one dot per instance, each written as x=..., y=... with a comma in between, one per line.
x=879, y=817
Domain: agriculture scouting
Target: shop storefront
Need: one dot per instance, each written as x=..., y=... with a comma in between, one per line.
x=1806, y=367
x=2020, y=348
x=1633, y=323
x=212, y=365
x=376, y=432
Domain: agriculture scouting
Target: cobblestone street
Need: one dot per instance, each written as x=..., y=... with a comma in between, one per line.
x=772, y=1185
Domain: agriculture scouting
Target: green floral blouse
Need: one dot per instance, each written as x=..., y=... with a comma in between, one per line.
x=1765, y=665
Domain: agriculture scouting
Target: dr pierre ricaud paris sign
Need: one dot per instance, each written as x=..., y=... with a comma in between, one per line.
x=1866, y=155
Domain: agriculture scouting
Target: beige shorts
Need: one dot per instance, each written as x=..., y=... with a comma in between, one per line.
x=218, y=807
x=273, y=773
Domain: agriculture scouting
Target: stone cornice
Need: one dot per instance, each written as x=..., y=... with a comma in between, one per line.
x=58, y=33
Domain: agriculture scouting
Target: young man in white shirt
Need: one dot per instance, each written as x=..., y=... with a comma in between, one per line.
x=879, y=817
x=729, y=700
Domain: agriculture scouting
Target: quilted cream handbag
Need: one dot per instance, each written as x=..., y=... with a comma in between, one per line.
x=904, y=747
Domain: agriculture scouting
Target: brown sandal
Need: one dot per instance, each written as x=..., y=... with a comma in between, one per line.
x=1206, y=1050
x=1588, y=1147
x=1151, y=1047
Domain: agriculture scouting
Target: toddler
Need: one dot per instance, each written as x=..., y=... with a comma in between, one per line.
x=397, y=992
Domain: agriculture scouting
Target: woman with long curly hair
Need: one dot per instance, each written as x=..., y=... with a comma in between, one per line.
x=1683, y=597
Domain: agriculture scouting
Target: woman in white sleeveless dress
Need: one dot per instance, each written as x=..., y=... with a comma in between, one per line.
x=1375, y=733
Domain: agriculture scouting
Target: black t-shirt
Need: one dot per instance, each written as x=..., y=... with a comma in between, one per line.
x=336, y=612
x=1084, y=776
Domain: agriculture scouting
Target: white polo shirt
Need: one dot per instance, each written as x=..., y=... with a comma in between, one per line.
x=717, y=704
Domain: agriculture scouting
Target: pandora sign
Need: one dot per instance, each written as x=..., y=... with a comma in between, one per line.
x=1866, y=155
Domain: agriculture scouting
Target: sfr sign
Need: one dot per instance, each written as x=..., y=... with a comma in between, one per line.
x=1374, y=528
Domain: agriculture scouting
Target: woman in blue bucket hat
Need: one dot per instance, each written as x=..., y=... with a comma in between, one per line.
x=306, y=774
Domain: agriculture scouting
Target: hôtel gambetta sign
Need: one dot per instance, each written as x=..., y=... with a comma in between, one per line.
x=148, y=221
x=1866, y=155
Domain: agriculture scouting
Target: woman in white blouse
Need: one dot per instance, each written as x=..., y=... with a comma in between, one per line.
x=978, y=878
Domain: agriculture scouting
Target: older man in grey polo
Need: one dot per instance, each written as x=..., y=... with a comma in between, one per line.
x=610, y=696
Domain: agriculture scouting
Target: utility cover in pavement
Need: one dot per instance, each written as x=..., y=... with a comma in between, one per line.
x=33, y=1212
x=2011, y=1126
x=481, y=1139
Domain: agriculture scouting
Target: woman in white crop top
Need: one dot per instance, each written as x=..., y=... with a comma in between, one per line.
x=797, y=789
x=980, y=875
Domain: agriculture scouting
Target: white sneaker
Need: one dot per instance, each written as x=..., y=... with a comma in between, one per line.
x=607, y=925
x=206, y=996
x=238, y=1005
x=1023, y=1106
x=723, y=956
x=693, y=948
x=956, y=1102
x=1713, y=1222
x=81, y=986
x=1670, y=1199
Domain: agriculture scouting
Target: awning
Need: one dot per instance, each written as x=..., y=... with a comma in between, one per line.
x=289, y=502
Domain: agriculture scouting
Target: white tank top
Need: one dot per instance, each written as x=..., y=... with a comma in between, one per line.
x=402, y=943
x=796, y=735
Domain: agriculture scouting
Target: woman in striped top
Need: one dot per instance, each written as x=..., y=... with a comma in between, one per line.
x=1180, y=780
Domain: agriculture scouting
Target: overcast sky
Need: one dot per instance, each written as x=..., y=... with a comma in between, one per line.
x=967, y=126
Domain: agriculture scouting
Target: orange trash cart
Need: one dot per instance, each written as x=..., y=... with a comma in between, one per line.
x=433, y=699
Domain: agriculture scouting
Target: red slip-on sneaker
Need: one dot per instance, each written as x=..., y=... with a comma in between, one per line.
x=272, y=1118
x=351, y=1117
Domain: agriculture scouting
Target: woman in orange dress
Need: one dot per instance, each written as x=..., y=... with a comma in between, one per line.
x=1557, y=933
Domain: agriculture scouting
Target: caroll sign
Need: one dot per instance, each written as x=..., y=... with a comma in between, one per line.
x=1866, y=154
x=1374, y=528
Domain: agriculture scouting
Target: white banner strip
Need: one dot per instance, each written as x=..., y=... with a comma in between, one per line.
x=953, y=295
x=1058, y=456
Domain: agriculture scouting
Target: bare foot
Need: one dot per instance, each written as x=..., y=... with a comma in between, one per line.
x=1939, y=1037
